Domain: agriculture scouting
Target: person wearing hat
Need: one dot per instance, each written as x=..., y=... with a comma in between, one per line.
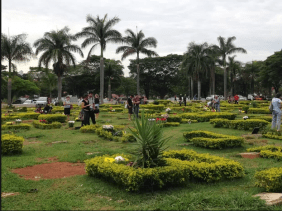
x=85, y=106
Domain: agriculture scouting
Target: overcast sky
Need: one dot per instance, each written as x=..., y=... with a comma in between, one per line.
x=257, y=24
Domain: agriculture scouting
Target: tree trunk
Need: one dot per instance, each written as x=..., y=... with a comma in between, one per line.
x=231, y=78
x=192, y=88
x=109, y=89
x=188, y=88
x=10, y=85
x=225, y=83
x=101, y=78
x=199, y=89
x=59, y=88
x=138, y=75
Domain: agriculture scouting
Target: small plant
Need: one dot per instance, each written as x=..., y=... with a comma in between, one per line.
x=43, y=121
x=254, y=104
x=246, y=108
x=151, y=144
x=71, y=123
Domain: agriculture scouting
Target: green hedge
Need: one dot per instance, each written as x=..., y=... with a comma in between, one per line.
x=213, y=140
x=270, y=179
x=259, y=111
x=11, y=144
x=89, y=128
x=188, y=120
x=272, y=136
x=208, y=116
x=22, y=126
x=153, y=107
x=53, y=117
x=269, y=151
x=53, y=125
x=171, y=124
x=174, y=118
x=248, y=124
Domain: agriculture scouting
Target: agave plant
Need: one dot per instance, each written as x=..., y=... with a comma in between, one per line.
x=150, y=141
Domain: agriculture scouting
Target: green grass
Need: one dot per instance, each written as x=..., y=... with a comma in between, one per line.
x=88, y=193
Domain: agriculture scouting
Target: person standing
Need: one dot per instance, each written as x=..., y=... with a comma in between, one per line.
x=67, y=106
x=217, y=104
x=92, y=108
x=97, y=102
x=145, y=99
x=136, y=102
x=276, y=113
x=236, y=99
x=129, y=106
x=86, y=109
x=184, y=100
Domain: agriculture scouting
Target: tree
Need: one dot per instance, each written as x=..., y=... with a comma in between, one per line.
x=100, y=32
x=226, y=47
x=233, y=67
x=24, y=87
x=14, y=49
x=196, y=59
x=136, y=43
x=56, y=47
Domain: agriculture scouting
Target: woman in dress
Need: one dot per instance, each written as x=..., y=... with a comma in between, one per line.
x=276, y=113
x=67, y=105
x=96, y=101
x=85, y=106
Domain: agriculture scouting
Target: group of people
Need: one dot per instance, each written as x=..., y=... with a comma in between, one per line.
x=47, y=108
x=235, y=99
x=133, y=103
x=214, y=103
x=90, y=108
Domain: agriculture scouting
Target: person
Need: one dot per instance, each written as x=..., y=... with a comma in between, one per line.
x=129, y=106
x=67, y=105
x=96, y=101
x=145, y=99
x=216, y=102
x=47, y=109
x=39, y=110
x=175, y=98
x=184, y=100
x=79, y=101
x=92, y=108
x=229, y=99
x=86, y=109
x=180, y=100
x=236, y=99
x=136, y=102
x=276, y=113
x=195, y=97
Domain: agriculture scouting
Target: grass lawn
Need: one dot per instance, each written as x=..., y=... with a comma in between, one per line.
x=87, y=193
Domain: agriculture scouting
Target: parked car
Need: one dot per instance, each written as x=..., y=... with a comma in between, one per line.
x=211, y=97
x=30, y=102
x=221, y=97
x=42, y=101
x=19, y=101
x=250, y=97
x=242, y=97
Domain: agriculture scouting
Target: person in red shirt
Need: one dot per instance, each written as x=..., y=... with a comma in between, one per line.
x=236, y=99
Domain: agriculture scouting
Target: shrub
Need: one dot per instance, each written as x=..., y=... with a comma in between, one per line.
x=272, y=136
x=28, y=115
x=174, y=118
x=259, y=111
x=53, y=125
x=270, y=179
x=246, y=108
x=89, y=128
x=188, y=120
x=207, y=116
x=248, y=124
x=171, y=124
x=269, y=151
x=23, y=109
x=11, y=144
x=22, y=126
x=53, y=118
x=127, y=137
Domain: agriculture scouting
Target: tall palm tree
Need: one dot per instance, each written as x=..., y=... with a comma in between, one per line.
x=136, y=43
x=14, y=49
x=226, y=47
x=196, y=59
x=100, y=32
x=56, y=47
x=233, y=67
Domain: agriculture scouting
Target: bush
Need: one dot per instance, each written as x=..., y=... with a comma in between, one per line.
x=53, y=125
x=259, y=111
x=208, y=116
x=89, y=128
x=270, y=179
x=269, y=151
x=53, y=117
x=22, y=126
x=11, y=144
x=23, y=109
x=174, y=118
x=29, y=115
x=188, y=120
x=272, y=136
x=171, y=124
x=248, y=124
x=127, y=137
x=246, y=108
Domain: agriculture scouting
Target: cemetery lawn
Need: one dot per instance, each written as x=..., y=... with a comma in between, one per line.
x=83, y=192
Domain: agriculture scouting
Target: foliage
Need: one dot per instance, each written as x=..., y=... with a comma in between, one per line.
x=22, y=126
x=11, y=143
x=52, y=125
x=22, y=87
x=208, y=116
x=259, y=111
x=269, y=151
x=53, y=117
x=171, y=124
x=270, y=179
x=248, y=124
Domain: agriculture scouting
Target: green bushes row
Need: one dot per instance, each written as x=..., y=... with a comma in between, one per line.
x=188, y=120
x=53, y=125
x=269, y=151
x=270, y=179
x=213, y=140
x=171, y=124
x=53, y=118
x=259, y=111
x=152, y=106
x=174, y=118
x=272, y=136
x=21, y=126
x=208, y=116
x=11, y=144
x=248, y=124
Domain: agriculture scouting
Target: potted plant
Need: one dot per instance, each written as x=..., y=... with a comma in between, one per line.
x=71, y=123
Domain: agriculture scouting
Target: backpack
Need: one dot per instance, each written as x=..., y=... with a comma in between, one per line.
x=270, y=107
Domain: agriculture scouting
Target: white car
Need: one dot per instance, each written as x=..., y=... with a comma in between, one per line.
x=210, y=97
x=42, y=101
x=29, y=102
x=242, y=97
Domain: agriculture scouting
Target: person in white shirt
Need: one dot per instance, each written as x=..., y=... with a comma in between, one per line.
x=276, y=113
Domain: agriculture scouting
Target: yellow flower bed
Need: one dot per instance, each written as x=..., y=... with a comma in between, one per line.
x=11, y=144
x=270, y=179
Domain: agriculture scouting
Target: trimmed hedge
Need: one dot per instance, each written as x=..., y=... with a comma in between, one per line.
x=272, y=136
x=53, y=117
x=22, y=126
x=11, y=144
x=188, y=120
x=248, y=124
x=213, y=140
x=270, y=179
x=269, y=151
x=259, y=111
x=171, y=124
x=174, y=118
x=208, y=116
x=89, y=128
x=53, y=125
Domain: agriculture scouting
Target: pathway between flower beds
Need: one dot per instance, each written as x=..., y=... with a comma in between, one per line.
x=51, y=170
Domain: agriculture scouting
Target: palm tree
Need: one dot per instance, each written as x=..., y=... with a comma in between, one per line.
x=100, y=32
x=226, y=47
x=56, y=47
x=196, y=59
x=136, y=43
x=233, y=67
x=14, y=49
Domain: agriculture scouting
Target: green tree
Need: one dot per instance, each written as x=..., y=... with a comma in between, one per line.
x=232, y=67
x=127, y=86
x=196, y=59
x=14, y=49
x=100, y=32
x=225, y=48
x=136, y=43
x=56, y=47
x=23, y=87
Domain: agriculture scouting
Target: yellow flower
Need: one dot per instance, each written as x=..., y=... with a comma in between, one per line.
x=110, y=160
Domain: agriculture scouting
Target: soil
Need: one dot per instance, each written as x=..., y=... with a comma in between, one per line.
x=31, y=141
x=51, y=170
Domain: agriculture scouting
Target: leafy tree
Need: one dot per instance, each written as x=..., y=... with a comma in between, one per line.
x=232, y=67
x=225, y=48
x=14, y=49
x=136, y=43
x=100, y=32
x=57, y=48
x=127, y=86
x=24, y=87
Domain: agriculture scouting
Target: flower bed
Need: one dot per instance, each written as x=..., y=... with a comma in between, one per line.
x=269, y=151
x=11, y=144
x=270, y=179
x=203, y=167
x=45, y=125
x=208, y=139
x=248, y=124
